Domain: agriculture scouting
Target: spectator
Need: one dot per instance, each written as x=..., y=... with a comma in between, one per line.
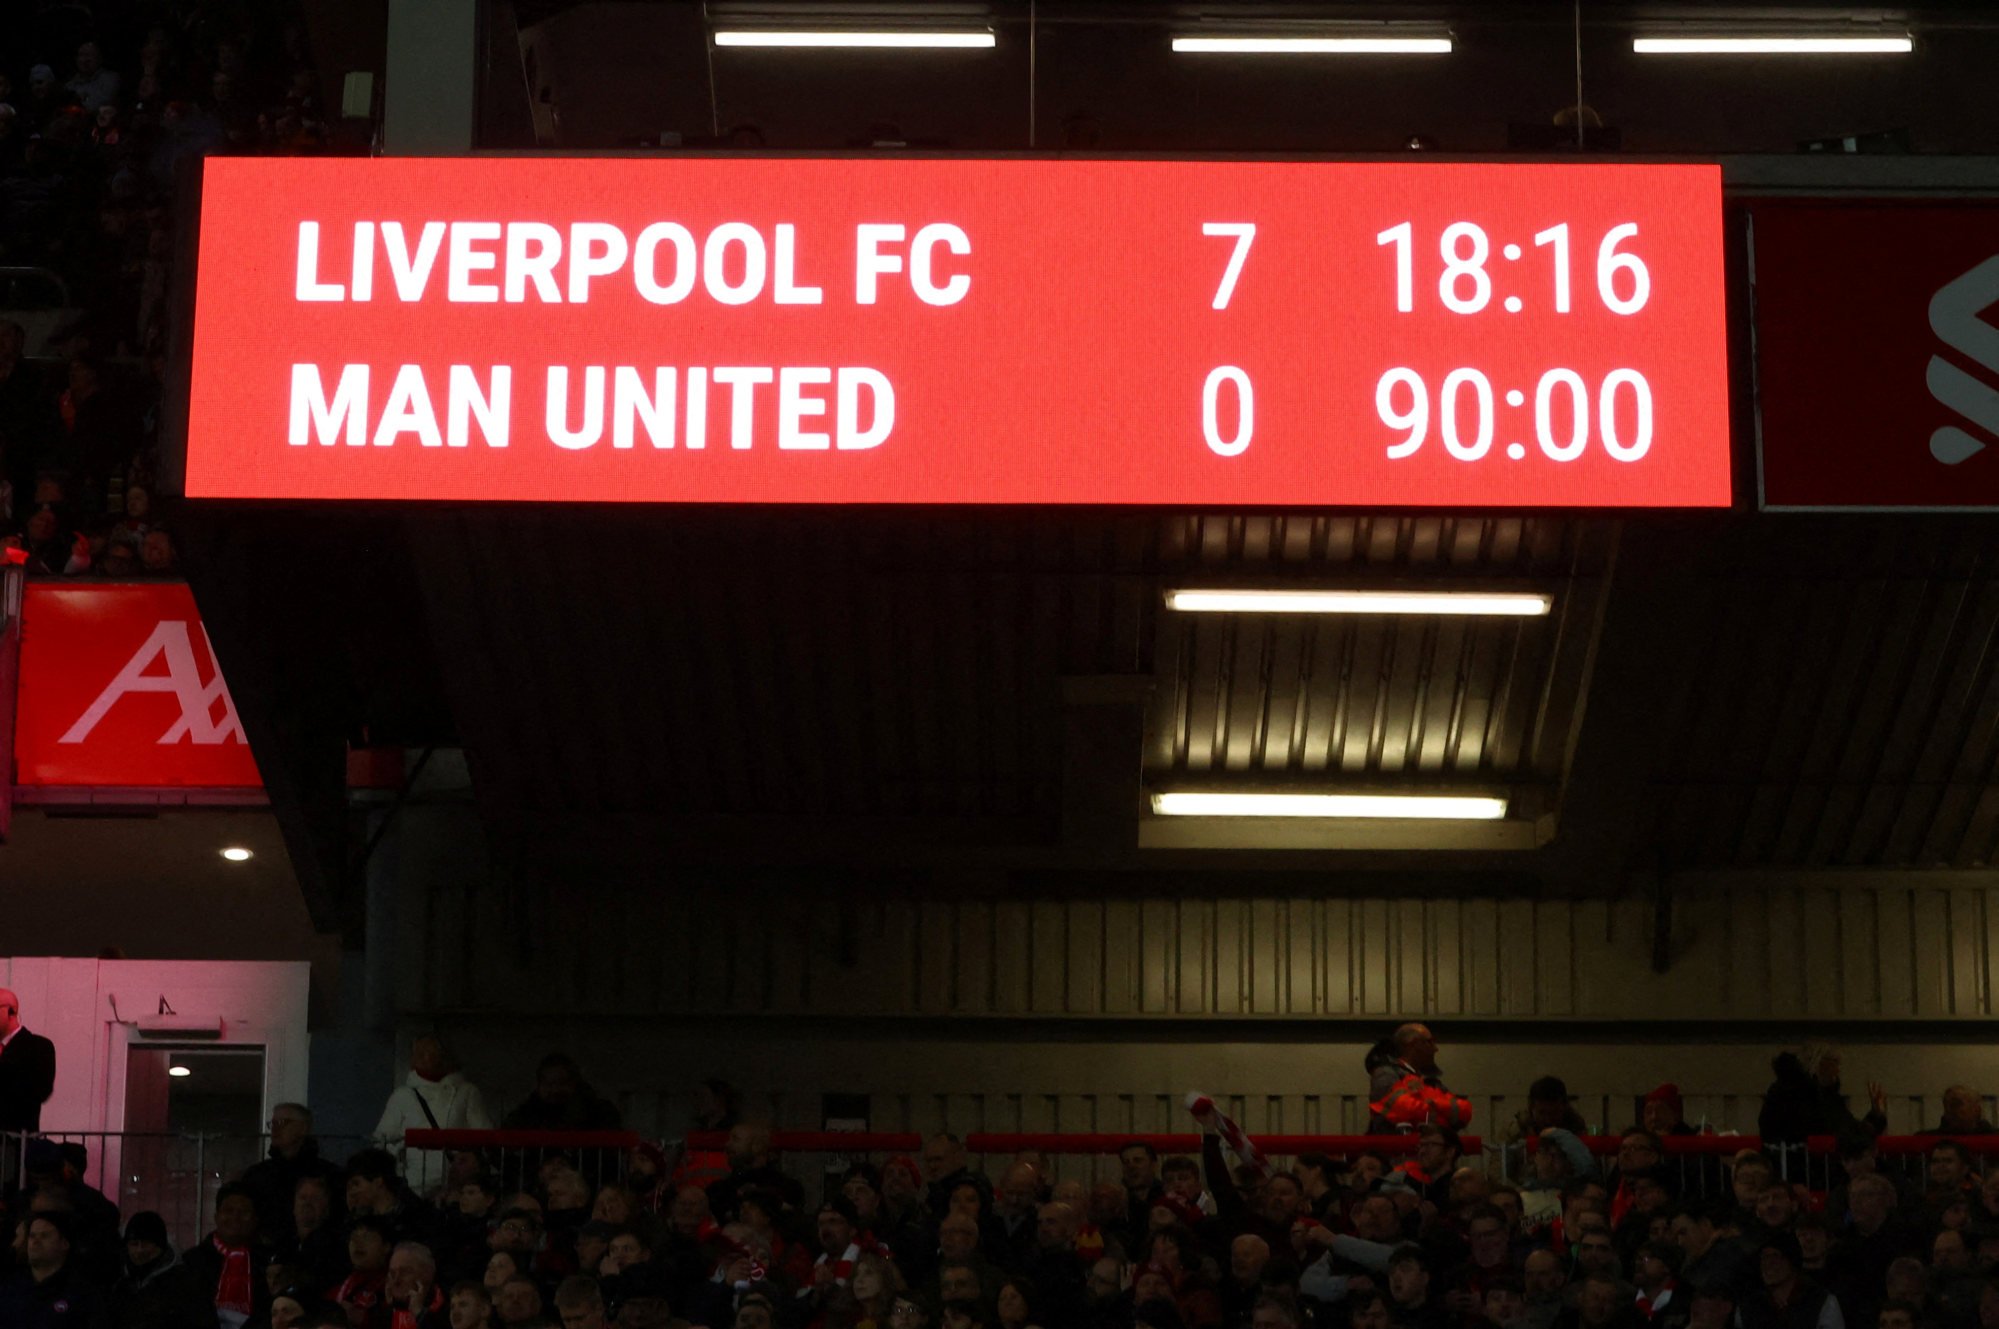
x=1787, y=1299
x=317, y=1247
x=48, y=1292
x=157, y=1291
x=876, y=1285
x=1600, y=1303
x=375, y=1188
x=1249, y=1261
x=1549, y=1106
x=229, y=1265
x=92, y=85
x=1428, y=1171
x=1951, y=1177
x=1664, y=1113
x=1410, y=1092
x=411, y=1292
x=435, y=1096
x=1416, y=1304
x=518, y=1304
x=1545, y=1281
x=1016, y=1212
x=1140, y=1164
x=1656, y=1272
x=750, y=1168
x=1805, y=1099
x=562, y=1101
x=1708, y=1257
x=471, y=1306
x=294, y=1155
x=1963, y=1113
x=945, y=1165
x=1873, y=1239
x=27, y=1069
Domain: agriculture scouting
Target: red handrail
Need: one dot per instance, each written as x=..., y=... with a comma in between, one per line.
x=1072, y=1142
x=978, y=1142
x=523, y=1139
x=1816, y=1146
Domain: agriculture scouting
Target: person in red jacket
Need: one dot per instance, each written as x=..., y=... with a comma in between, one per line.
x=1409, y=1091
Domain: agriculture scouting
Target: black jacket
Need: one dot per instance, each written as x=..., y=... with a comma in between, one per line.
x=65, y=1301
x=272, y=1182
x=27, y=1078
x=164, y=1295
x=1796, y=1106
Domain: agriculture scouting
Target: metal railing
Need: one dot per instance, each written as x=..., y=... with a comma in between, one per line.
x=515, y=1159
x=174, y=1174
x=1703, y=1165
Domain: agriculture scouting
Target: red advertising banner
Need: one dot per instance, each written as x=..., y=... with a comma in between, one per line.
x=119, y=688
x=783, y=330
x=1877, y=360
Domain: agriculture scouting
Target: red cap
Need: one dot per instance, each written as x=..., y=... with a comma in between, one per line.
x=1665, y=1093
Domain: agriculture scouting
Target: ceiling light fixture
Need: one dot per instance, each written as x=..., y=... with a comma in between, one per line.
x=179, y=1072
x=1503, y=604
x=236, y=853
x=1441, y=807
x=831, y=39
x=1380, y=44
x=1717, y=44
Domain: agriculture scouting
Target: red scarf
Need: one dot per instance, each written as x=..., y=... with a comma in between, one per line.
x=232, y=1290
x=362, y=1290
x=405, y=1318
x=1645, y=1307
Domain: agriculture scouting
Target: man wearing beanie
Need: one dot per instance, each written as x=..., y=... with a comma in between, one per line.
x=157, y=1290
x=1664, y=1113
x=1786, y=1298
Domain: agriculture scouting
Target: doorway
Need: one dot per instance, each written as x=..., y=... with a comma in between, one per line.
x=194, y=1117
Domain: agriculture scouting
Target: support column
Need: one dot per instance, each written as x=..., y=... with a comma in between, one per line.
x=429, y=99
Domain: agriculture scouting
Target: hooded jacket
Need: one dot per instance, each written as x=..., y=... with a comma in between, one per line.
x=454, y=1102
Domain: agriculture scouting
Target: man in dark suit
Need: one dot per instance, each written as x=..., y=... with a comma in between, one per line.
x=27, y=1069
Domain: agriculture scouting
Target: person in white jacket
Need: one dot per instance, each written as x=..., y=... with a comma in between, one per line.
x=434, y=1097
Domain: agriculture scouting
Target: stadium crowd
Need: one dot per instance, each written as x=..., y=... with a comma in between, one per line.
x=100, y=104
x=1374, y=1239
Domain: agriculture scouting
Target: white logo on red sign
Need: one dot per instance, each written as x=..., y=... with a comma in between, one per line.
x=199, y=721
x=1954, y=317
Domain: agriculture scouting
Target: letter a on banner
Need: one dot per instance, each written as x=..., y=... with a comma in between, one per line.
x=198, y=722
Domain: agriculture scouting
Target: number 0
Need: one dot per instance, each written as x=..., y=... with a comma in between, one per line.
x=1245, y=414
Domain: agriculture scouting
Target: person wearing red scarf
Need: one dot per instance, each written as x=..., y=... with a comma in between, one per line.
x=414, y=1298
x=362, y=1292
x=229, y=1263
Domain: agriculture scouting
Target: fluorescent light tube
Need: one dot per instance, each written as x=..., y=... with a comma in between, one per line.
x=1382, y=45
x=856, y=37
x=1445, y=807
x=1480, y=603
x=1719, y=45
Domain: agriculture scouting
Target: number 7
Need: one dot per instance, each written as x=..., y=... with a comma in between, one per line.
x=1244, y=232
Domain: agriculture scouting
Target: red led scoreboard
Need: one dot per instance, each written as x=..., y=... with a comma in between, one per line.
x=782, y=330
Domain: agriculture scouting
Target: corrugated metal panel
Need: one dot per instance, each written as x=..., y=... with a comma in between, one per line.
x=1742, y=948
x=1437, y=700
x=1844, y=710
